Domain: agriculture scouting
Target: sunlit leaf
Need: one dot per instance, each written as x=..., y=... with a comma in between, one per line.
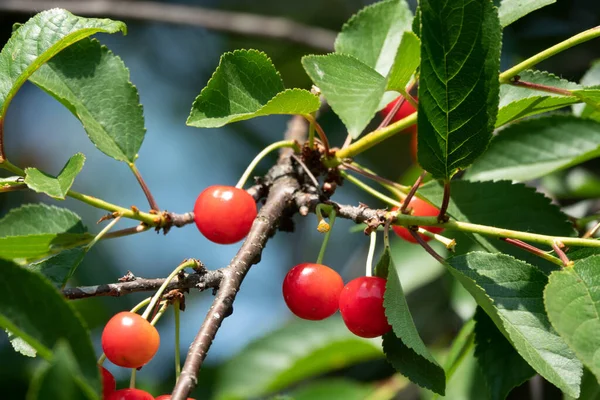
x=58, y=186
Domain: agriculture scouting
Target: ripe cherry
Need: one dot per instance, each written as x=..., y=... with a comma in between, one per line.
x=404, y=111
x=129, y=341
x=224, y=214
x=312, y=291
x=361, y=306
x=109, y=384
x=130, y=394
x=422, y=209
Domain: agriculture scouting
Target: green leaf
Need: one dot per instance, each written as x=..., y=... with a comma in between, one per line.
x=501, y=204
x=352, y=88
x=502, y=366
x=333, y=389
x=590, y=78
x=60, y=267
x=537, y=147
x=590, y=389
x=461, y=346
x=458, y=86
x=60, y=379
x=20, y=345
x=56, y=187
x=299, y=350
x=403, y=347
x=406, y=63
x=512, y=10
x=374, y=33
x=36, y=312
x=573, y=303
x=33, y=230
x=93, y=83
x=518, y=102
x=511, y=293
x=40, y=39
x=246, y=85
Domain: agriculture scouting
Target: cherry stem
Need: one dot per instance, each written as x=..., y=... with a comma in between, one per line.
x=386, y=233
x=516, y=81
x=442, y=217
x=328, y=233
x=320, y=132
x=534, y=250
x=177, y=328
x=263, y=154
x=449, y=243
x=370, y=190
x=311, y=134
x=412, y=192
x=190, y=263
x=591, y=232
x=388, y=118
x=426, y=246
x=102, y=233
x=557, y=246
x=161, y=311
x=132, y=379
x=371, y=253
x=145, y=188
x=392, y=186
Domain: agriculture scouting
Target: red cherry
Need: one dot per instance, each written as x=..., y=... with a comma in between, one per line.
x=109, y=384
x=129, y=341
x=404, y=111
x=130, y=394
x=361, y=306
x=422, y=209
x=224, y=214
x=312, y=291
x=168, y=397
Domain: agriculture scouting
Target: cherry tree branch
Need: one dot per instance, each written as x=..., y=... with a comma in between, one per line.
x=225, y=21
x=200, y=281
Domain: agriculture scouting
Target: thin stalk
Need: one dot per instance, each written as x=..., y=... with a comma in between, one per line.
x=388, y=118
x=326, y=238
x=534, y=250
x=132, y=378
x=386, y=183
x=263, y=154
x=371, y=254
x=371, y=139
x=163, y=308
x=177, y=345
x=102, y=233
x=370, y=190
x=549, y=52
x=186, y=264
x=590, y=233
x=311, y=135
x=442, y=217
x=145, y=188
x=427, y=247
x=320, y=131
x=537, y=86
x=557, y=247
x=412, y=192
x=449, y=243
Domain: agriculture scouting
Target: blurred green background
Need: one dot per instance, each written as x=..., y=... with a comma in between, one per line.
x=170, y=64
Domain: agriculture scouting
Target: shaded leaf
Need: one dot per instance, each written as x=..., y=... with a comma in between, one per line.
x=403, y=347
x=332, y=389
x=537, y=147
x=352, y=88
x=40, y=39
x=60, y=379
x=246, y=85
x=374, y=33
x=36, y=312
x=511, y=10
x=503, y=368
x=501, y=204
x=406, y=62
x=573, y=303
x=56, y=187
x=590, y=78
x=590, y=389
x=33, y=230
x=297, y=351
x=511, y=293
x=93, y=83
x=461, y=346
x=458, y=86
x=60, y=267
x=518, y=102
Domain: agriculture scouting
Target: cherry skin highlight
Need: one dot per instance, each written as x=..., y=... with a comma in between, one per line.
x=361, y=306
x=130, y=394
x=312, y=291
x=404, y=111
x=129, y=341
x=224, y=214
x=421, y=208
x=109, y=384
